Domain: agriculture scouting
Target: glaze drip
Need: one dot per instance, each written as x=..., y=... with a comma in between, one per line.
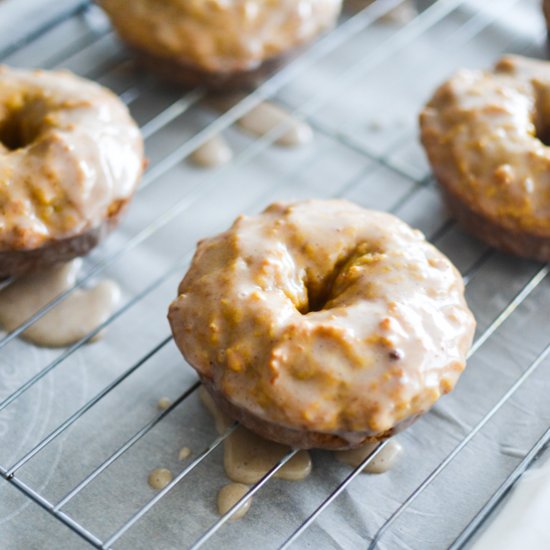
x=70, y=320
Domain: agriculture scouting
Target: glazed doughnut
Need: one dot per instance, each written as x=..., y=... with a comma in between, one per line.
x=321, y=324
x=484, y=133
x=70, y=160
x=219, y=44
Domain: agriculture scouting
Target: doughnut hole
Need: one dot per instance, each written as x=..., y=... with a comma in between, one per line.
x=319, y=289
x=20, y=124
x=322, y=290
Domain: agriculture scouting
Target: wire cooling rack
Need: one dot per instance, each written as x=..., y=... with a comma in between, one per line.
x=78, y=427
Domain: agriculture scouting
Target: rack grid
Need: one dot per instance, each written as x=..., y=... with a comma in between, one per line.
x=379, y=164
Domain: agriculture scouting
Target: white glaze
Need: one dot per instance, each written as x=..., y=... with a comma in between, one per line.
x=85, y=154
x=229, y=495
x=215, y=152
x=69, y=321
x=523, y=521
x=159, y=478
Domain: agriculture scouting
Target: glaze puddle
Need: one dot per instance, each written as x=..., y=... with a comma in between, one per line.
x=248, y=457
x=266, y=116
x=72, y=319
x=382, y=462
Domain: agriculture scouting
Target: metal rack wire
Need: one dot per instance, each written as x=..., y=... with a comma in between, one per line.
x=131, y=89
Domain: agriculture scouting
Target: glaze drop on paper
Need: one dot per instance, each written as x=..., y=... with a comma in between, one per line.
x=229, y=495
x=266, y=116
x=164, y=403
x=382, y=462
x=185, y=452
x=215, y=152
x=248, y=457
x=69, y=321
x=159, y=478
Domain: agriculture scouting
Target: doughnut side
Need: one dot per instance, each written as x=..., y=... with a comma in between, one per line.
x=180, y=73
x=299, y=438
x=14, y=263
x=481, y=225
x=219, y=44
x=520, y=243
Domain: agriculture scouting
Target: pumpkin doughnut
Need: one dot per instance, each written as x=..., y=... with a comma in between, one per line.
x=219, y=44
x=70, y=160
x=485, y=135
x=321, y=324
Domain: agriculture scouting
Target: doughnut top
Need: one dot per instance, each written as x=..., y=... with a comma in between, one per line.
x=486, y=135
x=320, y=315
x=221, y=35
x=70, y=155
